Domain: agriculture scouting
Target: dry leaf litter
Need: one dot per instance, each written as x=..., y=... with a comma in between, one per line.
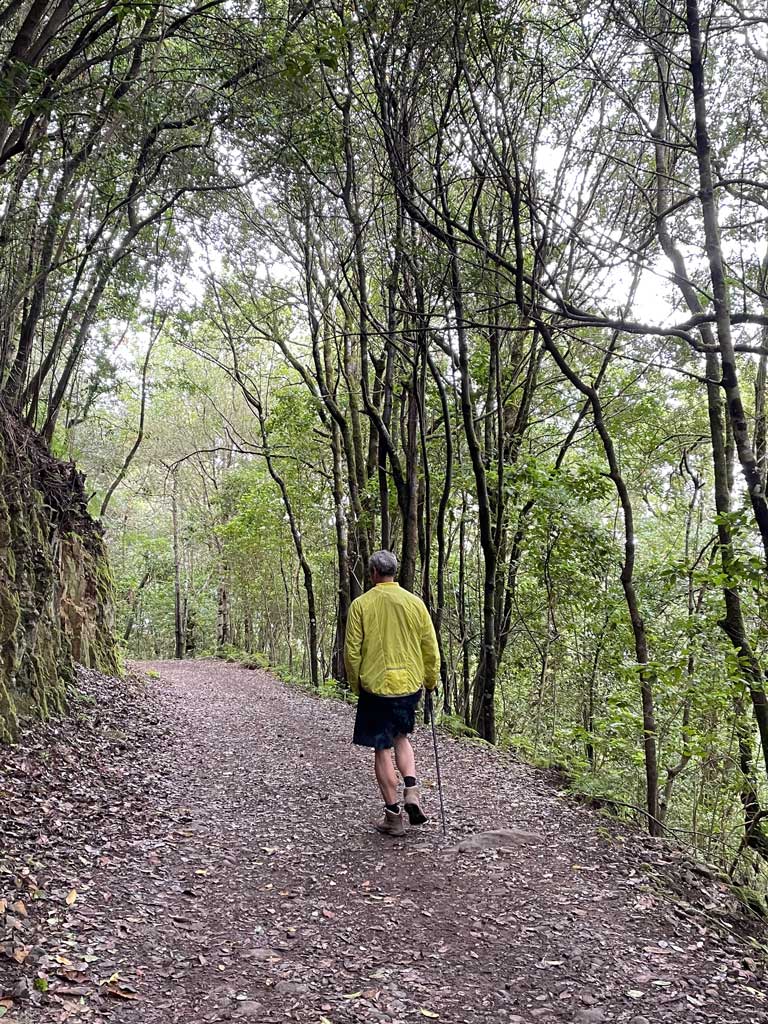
x=193, y=845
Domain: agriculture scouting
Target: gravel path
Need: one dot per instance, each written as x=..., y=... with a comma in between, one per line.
x=231, y=872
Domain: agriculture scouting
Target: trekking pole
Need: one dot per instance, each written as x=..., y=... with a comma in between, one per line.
x=431, y=709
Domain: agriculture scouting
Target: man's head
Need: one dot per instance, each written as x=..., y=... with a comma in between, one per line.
x=382, y=565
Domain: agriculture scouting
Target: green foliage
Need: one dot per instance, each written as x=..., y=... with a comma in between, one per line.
x=254, y=661
x=329, y=689
x=456, y=726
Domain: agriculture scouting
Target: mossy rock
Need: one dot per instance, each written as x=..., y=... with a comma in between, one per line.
x=254, y=661
x=458, y=727
x=756, y=901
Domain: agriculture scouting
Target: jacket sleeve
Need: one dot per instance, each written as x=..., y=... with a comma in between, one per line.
x=430, y=652
x=353, y=646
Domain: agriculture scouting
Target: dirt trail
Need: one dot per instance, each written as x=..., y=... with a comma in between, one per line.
x=244, y=882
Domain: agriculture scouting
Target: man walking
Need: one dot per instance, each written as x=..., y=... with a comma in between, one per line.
x=390, y=652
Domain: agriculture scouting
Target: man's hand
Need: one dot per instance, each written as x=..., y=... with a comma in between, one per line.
x=429, y=706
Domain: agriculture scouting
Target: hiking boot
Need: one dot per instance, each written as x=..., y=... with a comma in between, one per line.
x=412, y=806
x=392, y=824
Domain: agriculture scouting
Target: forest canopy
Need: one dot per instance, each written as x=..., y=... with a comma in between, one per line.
x=481, y=283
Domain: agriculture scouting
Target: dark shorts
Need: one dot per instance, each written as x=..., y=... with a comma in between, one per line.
x=380, y=719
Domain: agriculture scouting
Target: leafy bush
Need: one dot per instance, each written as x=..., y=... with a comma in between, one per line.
x=253, y=661
x=456, y=726
x=230, y=654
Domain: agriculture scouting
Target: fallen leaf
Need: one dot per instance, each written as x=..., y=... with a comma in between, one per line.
x=428, y=1013
x=120, y=993
x=71, y=897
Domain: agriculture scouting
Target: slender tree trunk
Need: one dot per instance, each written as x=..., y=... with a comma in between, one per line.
x=627, y=582
x=445, y=497
x=133, y=606
x=223, y=624
x=410, y=544
x=727, y=355
x=309, y=587
x=463, y=623
x=732, y=623
x=177, y=599
x=139, y=433
x=342, y=557
x=760, y=445
x=484, y=696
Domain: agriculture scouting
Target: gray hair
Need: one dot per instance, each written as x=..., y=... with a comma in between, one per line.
x=383, y=562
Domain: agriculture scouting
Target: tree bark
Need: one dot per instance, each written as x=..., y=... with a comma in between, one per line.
x=720, y=293
x=178, y=612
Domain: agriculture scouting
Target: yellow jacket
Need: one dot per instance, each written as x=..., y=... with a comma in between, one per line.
x=391, y=648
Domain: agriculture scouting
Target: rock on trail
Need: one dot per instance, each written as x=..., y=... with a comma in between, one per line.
x=214, y=826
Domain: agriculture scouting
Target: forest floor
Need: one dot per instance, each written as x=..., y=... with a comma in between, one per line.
x=196, y=847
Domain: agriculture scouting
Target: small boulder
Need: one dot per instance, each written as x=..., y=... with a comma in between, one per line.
x=262, y=953
x=291, y=988
x=249, y=1008
x=499, y=838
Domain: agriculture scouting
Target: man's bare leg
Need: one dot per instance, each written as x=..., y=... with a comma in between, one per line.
x=406, y=762
x=393, y=822
x=385, y=774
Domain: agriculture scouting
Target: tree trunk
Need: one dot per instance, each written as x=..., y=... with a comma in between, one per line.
x=342, y=558
x=732, y=622
x=133, y=606
x=627, y=582
x=178, y=618
x=729, y=378
x=309, y=588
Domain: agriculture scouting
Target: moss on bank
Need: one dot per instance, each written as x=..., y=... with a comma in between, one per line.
x=56, y=603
